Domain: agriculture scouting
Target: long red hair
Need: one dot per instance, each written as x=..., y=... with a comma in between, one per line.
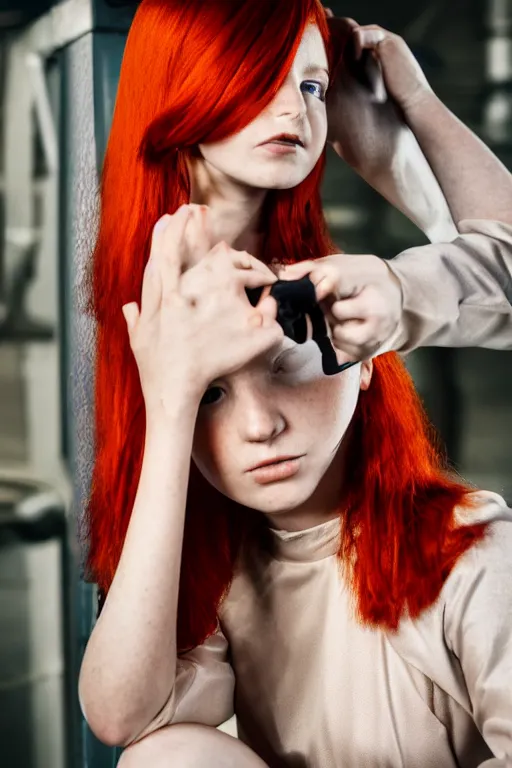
x=197, y=71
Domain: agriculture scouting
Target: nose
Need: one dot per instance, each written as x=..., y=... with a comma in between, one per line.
x=289, y=100
x=261, y=420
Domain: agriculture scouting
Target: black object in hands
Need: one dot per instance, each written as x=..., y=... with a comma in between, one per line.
x=296, y=299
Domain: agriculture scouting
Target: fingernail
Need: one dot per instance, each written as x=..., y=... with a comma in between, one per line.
x=373, y=36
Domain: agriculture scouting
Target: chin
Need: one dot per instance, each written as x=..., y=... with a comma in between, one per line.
x=278, y=178
x=278, y=499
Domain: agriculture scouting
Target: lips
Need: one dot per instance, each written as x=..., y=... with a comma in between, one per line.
x=288, y=139
x=268, y=462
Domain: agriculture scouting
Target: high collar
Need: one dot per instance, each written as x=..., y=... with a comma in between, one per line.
x=308, y=545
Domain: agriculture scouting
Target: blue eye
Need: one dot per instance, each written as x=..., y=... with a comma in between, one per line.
x=315, y=88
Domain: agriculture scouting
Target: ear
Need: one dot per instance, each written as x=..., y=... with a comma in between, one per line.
x=366, y=374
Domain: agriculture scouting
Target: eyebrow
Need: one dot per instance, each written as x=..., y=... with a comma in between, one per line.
x=311, y=69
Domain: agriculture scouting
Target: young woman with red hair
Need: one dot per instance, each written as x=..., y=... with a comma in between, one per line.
x=357, y=593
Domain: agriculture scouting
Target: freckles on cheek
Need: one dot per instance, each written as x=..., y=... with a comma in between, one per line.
x=340, y=397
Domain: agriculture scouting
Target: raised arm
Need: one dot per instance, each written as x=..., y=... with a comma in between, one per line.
x=475, y=182
x=389, y=125
x=455, y=294
x=368, y=131
x=129, y=666
x=131, y=680
x=394, y=131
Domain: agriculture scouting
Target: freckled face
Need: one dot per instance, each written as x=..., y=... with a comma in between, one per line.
x=280, y=404
x=298, y=108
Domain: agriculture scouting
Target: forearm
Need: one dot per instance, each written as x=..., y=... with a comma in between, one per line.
x=475, y=183
x=411, y=186
x=457, y=294
x=377, y=143
x=130, y=662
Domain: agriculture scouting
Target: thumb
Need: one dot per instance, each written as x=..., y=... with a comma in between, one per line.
x=131, y=314
x=268, y=308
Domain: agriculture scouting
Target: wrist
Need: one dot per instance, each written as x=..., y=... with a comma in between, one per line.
x=398, y=337
x=421, y=106
x=178, y=407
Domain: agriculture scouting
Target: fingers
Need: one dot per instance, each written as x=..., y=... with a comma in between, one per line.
x=361, y=325
x=314, y=270
x=151, y=297
x=131, y=315
x=356, y=338
x=327, y=277
x=265, y=312
x=349, y=22
x=152, y=281
x=167, y=250
x=367, y=37
x=267, y=332
x=349, y=309
x=226, y=270
x=240, y=259
x=253, y=278
x=198, y=235
x=296, y=271
x=248, y=260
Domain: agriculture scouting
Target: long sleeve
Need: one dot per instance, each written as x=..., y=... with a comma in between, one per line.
x=203, y=689
x=478, y=631
x=457, y=294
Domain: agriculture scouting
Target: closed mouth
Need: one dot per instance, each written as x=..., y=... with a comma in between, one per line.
x=273, y=463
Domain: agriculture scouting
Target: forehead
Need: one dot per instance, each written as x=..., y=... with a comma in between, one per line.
x=311, y=50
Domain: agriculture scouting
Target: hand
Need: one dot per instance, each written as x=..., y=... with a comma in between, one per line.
x=361, y=299
x=365, y=124
x=196, y=325
x=395, y=70
x=402, y=76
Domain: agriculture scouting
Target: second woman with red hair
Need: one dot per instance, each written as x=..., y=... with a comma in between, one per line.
x=272, y=542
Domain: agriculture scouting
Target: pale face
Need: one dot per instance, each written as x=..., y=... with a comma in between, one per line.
x=280, y=404
x=298, y=108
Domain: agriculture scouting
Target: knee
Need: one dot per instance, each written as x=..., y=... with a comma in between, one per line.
x=173, y=745
x=188, y=745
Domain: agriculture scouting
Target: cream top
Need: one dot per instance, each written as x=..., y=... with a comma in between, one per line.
x=315, y=688
x=457, y=294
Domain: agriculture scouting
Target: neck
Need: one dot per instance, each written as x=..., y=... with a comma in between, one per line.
x=235, y=208
x=326, y=502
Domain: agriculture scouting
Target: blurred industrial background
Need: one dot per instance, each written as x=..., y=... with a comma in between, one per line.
x=59, y=65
